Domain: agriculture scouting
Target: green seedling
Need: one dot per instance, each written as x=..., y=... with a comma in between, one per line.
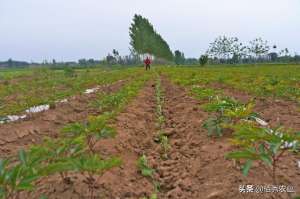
x=214, y=126
x=95, y=129
x=55, y=155
x=144, y=167
x=18, y=177
x=91, y=166
x=164, y=142
x=262, y=144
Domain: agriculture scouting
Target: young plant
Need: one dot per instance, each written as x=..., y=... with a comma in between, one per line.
x=228, y=111
x=165, y=145
x=19, y=176
x=91, y=166
x=144, y=167
x=262, y=144
x=55, y=155
x=214, y=126
x=95, y=129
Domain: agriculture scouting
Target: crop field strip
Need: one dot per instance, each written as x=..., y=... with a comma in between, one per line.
x=111, y=104
x=287, y=161
x=46, y=86
x=152, y=138
x=18, y=135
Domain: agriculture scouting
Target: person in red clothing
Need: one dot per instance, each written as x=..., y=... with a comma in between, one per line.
x=147, y=63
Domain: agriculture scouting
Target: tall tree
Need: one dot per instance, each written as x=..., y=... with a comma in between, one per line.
x=258, y=47
x=144, y=39
x=179, y=57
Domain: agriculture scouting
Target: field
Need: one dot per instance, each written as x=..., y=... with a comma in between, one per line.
x=171, y=132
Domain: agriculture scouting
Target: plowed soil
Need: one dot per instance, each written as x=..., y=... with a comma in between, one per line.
x=195, y=167
x=17, y=135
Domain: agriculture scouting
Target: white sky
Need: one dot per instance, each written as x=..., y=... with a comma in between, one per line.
x=73, y=29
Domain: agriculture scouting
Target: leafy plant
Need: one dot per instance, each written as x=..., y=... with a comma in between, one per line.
x=165, y=145
x=92, y=165
x=262, y=144
x=95, y=129
x=18, y=177
x=144, y=167
x=214, y=126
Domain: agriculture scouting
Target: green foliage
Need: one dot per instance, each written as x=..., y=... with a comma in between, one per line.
x=18, y=177
x=165, y=145
x=144, y=39
x=96, y=128
x=221, y=104
x=69, y=72
x=203, y=60
x=262, y=144
x=144, y=167
x=43, y=86
x=229, y=111
x=93, y=164
x=214, y=126
x=179, y=57
x=202, y=93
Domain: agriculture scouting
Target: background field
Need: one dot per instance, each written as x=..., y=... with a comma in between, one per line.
x=171, y=132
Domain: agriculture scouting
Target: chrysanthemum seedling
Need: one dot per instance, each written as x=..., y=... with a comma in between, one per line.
x=165, y=145
x=262, y=144
x=144, y=167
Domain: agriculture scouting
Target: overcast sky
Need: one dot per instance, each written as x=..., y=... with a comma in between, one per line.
x=73, y=29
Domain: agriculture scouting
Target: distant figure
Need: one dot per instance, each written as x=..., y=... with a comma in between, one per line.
x=147, y=62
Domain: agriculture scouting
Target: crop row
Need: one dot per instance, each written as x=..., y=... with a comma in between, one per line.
x=273, y=81
x=72, y=152
x=254, y=139
x=46, y=86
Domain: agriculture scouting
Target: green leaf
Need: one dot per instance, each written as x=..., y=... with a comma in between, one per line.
x=147, y=172
x=247, y=167
x=241, y=155
x=22, y=157
x=266, y=158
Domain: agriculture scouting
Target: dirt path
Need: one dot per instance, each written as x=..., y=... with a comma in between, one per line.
x=196, y=167
x=17, y=135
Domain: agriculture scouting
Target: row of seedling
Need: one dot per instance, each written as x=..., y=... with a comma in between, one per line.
x=72, y=152
x=161, y=137
x=254, y=138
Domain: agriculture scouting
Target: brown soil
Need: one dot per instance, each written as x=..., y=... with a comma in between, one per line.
x=17, y=135
x=275, y=111
x=135, y=127
x=195, y=167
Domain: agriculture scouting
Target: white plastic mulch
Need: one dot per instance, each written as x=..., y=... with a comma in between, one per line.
x=40, y=108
